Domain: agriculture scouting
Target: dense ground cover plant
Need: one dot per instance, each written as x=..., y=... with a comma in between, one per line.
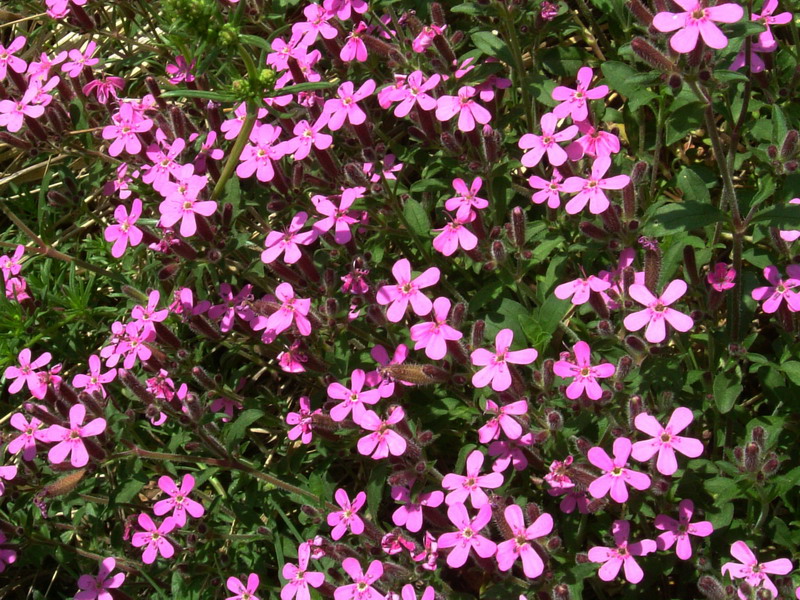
x=398, y=299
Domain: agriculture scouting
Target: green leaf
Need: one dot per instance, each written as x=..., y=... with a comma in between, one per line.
x=684, y=216
x=417, y=218
x=779, y=127
x=683, y=121
x=215, y=96
x=377, y=481
x=629, y=82
x=726, y=392
x=306, y=86
x=129, y=490
x=236, y=430
x=722, y=489
x=256, y=41
x=792, y=370
x=492, y=45
x=693, y=187
x=744, y=28
x=786, y=216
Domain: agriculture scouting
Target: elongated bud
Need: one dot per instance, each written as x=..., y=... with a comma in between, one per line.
x=457, y=316
x=758, y=435
x=652, y=262
x=419, y=374
x=711, y=588
x=450, y=143
x=675, y=81
x=498, y=251
x=130, y=381
x=789, y=146
x=635, y=344
x=518, y=222
x=555, y=421
x=561, y=592
x=752, y=454
x=378, y=46
x=599, y=305
x=443, y=46
x=642, y=14
x=13, y=140
x=648, y=53
x=476, y=336
x=548, y=373
x=65, y=484
x=184, y=250
x=491, y=143
x=690, y=265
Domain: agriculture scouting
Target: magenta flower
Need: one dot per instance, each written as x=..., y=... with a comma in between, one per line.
x=658, y=311
x=594, y=142
x=316, y=23
x=362, y=588
x=453, y=236
x=433, y=335
x=468, y=535
x=181, y=70
x=780, y=289
x=178, y=502
x=410, y=514
x=354, y=47
x=242, y=591
x=79, y=60
x=97, y=587
x=7, y=473
x=293, y=310
x=573, y=101
x=722, y=277
x=347, y=518
x=298, y=576
x=584, y=375
x=343, y=8
x=621, y=555
x=495, y=370
x=11, y=265
x=766, y=39
x=383, y=440
x=665, y=441
x=95, y=379
x=679, y=531
x=233, y=305
x=752, y=571
x=549, y=191
x=126, y=124
x=502, y=419
x=125, y=231
x=306, y=136
x=13, y=112
x=547, y=143
x=616, y=476
x=472, y=484
x=697, y=20
x=425, y=37
x=154, y=538
x=147, y=315
x=409, y=593
x=591, y=190
x=415, y=93
x=407, y=290
x=7, y=557
x=345, y=107
x=104, y=88
x=9, y=61
x=579, y=290
x=26, y=441
x=518, y=547
x=510, y=453
x=352, y=399
x=791, y=235
x=467, y=199
x=302, y=421
x=258, y=155
x=469, y=112
x=183, y=205
x=339, y=218
x=26, y=373
x=70, y=441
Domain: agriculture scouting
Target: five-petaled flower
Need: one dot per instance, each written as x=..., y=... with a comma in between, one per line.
x=25, y=373
x=298, y=576
x=242, y=591
x=590, y=190
x=154, y=538
x=353, y=398
x=658, y=313
x=407, y=290
x=383, y=440
x=346, y=107
x=433, y=335
x=70, y=440
x=780, y=290
x=125, y=232
x=466, y=199
x=178, y=502
x=347, y=518
x=469, y=112
x=96, y=587
x=362, y=588
x=573, y=101
x=616, y=475
x=472, y=484
x=679, y=531
x=697, y=20
x=547, y=143
x=665, y=441
x=468, y=535
x=752, y=571
x=584, y=375
x=518, y=547
x=622, y=555
x=495, y=367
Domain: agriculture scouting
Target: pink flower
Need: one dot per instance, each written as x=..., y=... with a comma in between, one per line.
x=125, y=231
x=722, y=277
x=580, y=289
x=147, y=315
x=26, y=441
x=347, y=518
x=433, y=335
x=316, y=23
x=550, y=191
x=340, y=218
x=472, y=484
x=766, y=39
x=573, y=101
x=616, y=474
x=242, y=591
x=343, y=8
x=408, y=593
x=752, y=571
x=126, y=124
x=425, y=37
x=502, y=420
x=293, y=310
x=792, y=234
x=26, y=373
x=415, y=93
x=558, y=478
x=584, y=375
x=591, y=190
x=658, y=311
x=362, y=588
x=467, y=199
x=697, y=20
x=469, y=112
x=181, y=71
x=79, y=60
x=154, y=538
x=407, y=290
x=681, y=530
x=7, y=557
x=182, y=204
x=258, y=155
x=178, y=502
x=299, y=577
x=8, y=473
x=70, y=441
x=453, y=236
x=410, y=514
x=354, y=47
x=665, y=441
x=429, y=554
x=104, y=88
x=621, y=555
x=233, y=305
x=302, y=421
x=468, y=535
x=779, y=290
x=383, y=441
x=510, y=453
x=345, y=107
x=95, y=379
x=9, y=61
x=538, y=145
x=518, y=547
x=10, y=266
x=306, y=136
x=97, y=587
x=352, y=399
x=13, y=112
x=594, y=143
x=495, y=370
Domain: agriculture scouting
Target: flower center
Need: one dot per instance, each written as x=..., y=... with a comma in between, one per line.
x=616, y=471
x=699, y=14
x=665, y=437
x=586, y=371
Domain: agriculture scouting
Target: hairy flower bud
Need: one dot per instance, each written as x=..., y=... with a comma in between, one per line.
x=711, y=588
x=476, y=336
x=648, y=53
x=752, y=454
x=758, y=435
x=593, y=231
x=561, y=592
x=789, y=146
x=635, y=344
x=652, y=262
x=555, y=421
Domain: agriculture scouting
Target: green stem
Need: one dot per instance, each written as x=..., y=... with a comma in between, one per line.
x=519, y=69
x=236, y=151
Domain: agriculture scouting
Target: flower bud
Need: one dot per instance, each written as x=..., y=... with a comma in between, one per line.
x=476, y=336
x=675, y=81
x=772, y=151
x=548, y=373
x=561, y=592
x=771, y=465
x=752, y=454
x=491, y=144
x=604, y=328
x=711, y=588
x=593, y=231
x=789, y=146
x=649, y=54
x=790, y=166
x=758, y=435
x=498, y=251
x=518, y=226
x=635, y=344
x=652, y=262
x=629, y=203
x=555, y=422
